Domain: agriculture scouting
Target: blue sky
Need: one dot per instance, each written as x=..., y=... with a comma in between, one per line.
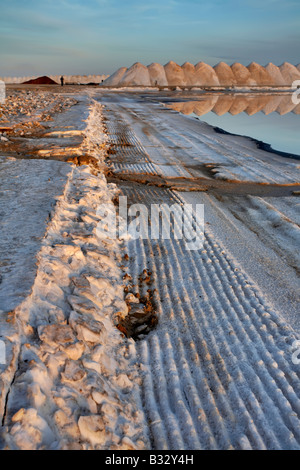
x=40, y=37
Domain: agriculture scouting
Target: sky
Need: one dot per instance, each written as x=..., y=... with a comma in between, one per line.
x=43, y=37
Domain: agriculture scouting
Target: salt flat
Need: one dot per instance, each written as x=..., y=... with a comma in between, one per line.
x=216, y=371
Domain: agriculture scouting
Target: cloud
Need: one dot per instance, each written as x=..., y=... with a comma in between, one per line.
x=101, y=35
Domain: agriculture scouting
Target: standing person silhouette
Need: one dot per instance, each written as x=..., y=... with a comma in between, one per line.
x=62, y=80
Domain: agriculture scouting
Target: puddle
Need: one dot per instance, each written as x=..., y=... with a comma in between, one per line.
x=270, y=119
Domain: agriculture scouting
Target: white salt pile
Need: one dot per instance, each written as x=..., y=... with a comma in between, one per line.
x=242, y=75
x=116, y=77
x=175, y=74
x=137, y=74
x=275, y=74
x=206, y=75
x=157, y=74
x=189, y=73
x=225, y=74
x=202, y=74
x=289, y=72
x=260, y=74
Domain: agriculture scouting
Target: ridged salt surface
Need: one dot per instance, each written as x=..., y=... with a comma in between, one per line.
x=217, y=372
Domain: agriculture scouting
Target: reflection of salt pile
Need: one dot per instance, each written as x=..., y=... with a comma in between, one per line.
x=203, y=107
x=296, y=110
x=236, y=104
x=240, y=104
x=273, y=104
x=257, y=103
x=285, y=106
x=223, y=105
x=186, y=108
x=203, y=75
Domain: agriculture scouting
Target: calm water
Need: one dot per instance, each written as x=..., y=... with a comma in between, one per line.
x=273, y=119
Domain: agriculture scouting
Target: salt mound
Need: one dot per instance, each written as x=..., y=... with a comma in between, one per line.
x=203, y=74
x=225, y=74
x=206, y=75
x=175, y=74
x=40, y=81
x=259, y=74
x=157, y=74
x=189, y=73
x=242, y=75
x=275, y=74
x=137, y=74
x=115, y=78
x=289, y=73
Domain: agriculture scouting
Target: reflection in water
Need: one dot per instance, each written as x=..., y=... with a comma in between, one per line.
x=269, y=118
x=236, y=104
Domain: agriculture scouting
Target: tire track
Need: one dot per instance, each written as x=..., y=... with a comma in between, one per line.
x=215, y=367
x=217, y=371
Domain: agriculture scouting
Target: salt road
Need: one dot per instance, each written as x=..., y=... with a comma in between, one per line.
x=216, y=371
